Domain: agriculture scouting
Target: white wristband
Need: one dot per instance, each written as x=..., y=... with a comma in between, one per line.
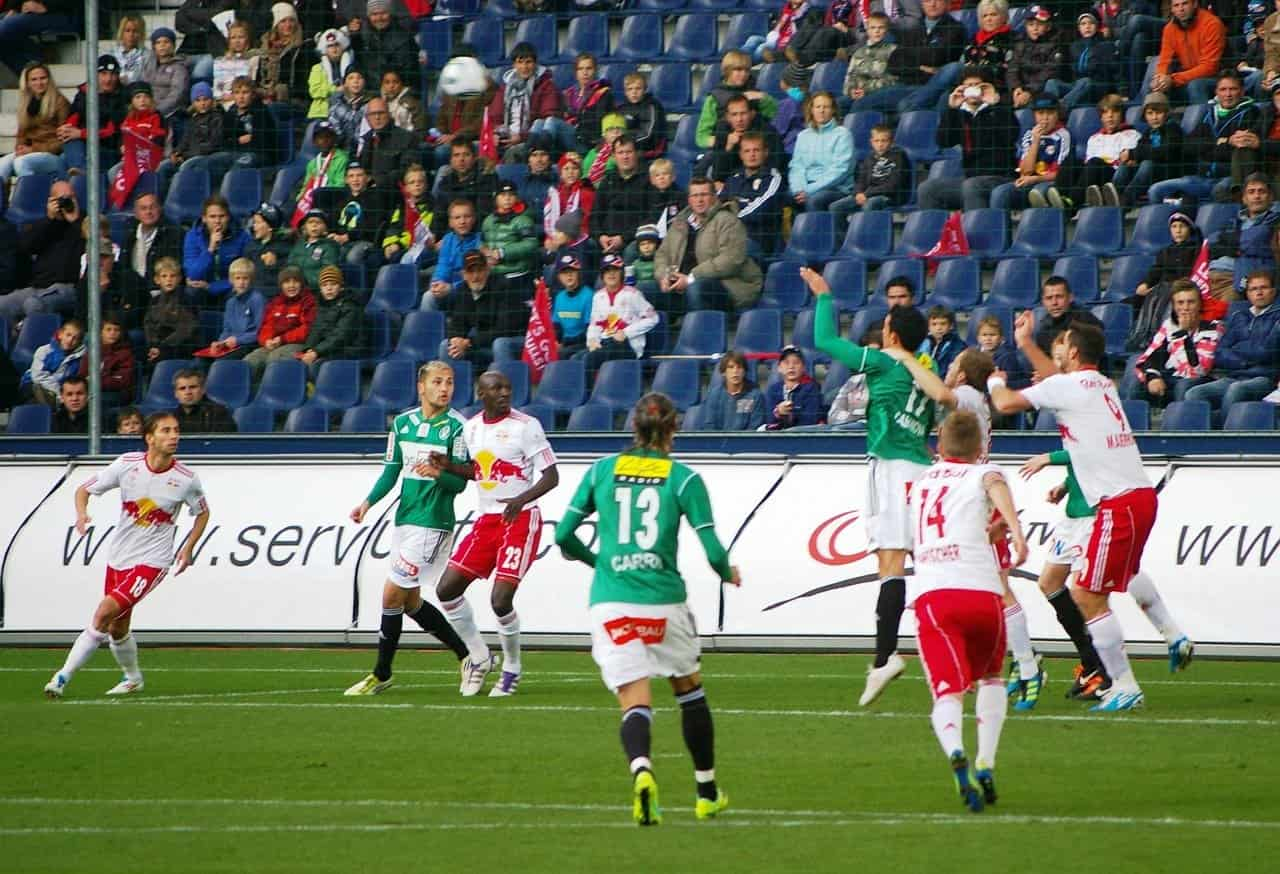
x=994, y=382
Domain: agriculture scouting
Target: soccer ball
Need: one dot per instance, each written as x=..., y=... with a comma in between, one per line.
x=464, y=77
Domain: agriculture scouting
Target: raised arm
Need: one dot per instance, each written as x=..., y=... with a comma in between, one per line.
x=826, y=334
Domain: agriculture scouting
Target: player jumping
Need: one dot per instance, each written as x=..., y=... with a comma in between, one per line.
x=424, y=521
x=153, y=488
x=956, y=592
x=641, y=625
x=508, y=450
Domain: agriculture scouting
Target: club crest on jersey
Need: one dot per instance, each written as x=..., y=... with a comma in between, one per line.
x=639, y=470
x=146, y=513
x=647, y=630
x=492, y=470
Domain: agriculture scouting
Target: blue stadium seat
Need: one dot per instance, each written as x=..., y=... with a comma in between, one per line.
x=1117, y=319
x=80, y=185
x=30, y=418
x=159, y=394
x=848, y=281
x=1046, y=421
x=435, y=38
x=28, y=199
x=917, y=134
x=662, y=5
x=1192, y=116
x=545, y=415
x=741, y=26
x=564, y=383
x=1138, y=413
x=4, y=336
x=1039, y=234
x=987, y=231
x=670, y=85
x=1213, y=217
x=759, y=330
x=486, y=40
x=518, y=373
x=694, y=39
x=728, y=6
x=683, y=149
x=829, y=76
x=948, y=165
x=1099, y=231
x=1186, y=416
x=37, y=330
x=1081, y=273
x=921, y=232
x=395, y=289
x=187, y=192
x=1016, y=283
x=1026, y=120
x=957, y=285
x=587, y=33
x=710, y=79
x=394, y=385
x=909, y=268
x=364, y=419
x=813, y=236
x=591, y=416
x=860, y=125
x=228, y=382
x=977, y=314
x=615, y=73
x=692, y=420
x=870, y=316
x=701, y=333
x=1250, y=416
x=337, y=386
x=377, y=332
x=802, y=332
x=1127, y=272
x=254, y=420
x=837, y=375
x=658, y=338
x=464, y=389
x=640, y=40
x=307, y=420
x=1150, y=230
x=242, y=187
x=308, y=149
x=286, y=183
x=680, y=380
x=283, y=386
x=783, y=287
x=540, y=32
x=870, y=236
x=769, y=79
x=1082, y=123
x=618, y=385
x=458, y=8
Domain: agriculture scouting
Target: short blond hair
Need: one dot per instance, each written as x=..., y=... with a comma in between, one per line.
x=435, y=366
x=168, y=264
x=733, y=59
x=635, y=76
x=242, y=265
x=960, y=436
x=662, y=165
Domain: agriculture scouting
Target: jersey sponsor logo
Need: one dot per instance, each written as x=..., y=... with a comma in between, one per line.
x=1119, y=441
x=492, y=471
x=938, y=554
x=146, y=513
x=648, y=561
x=640, y=470
x=404, y=567
x=824, y=541
x=647, y=630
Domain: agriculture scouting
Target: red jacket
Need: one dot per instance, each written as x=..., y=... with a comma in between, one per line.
x=1197, y=47
x=288, y=318
x=117, y=369
x=545, y=102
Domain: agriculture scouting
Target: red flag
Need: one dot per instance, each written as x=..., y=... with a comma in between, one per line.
x=1211, y=309
x=488, y=141
x=540, y=337
x=951, y=242
x=143, y=149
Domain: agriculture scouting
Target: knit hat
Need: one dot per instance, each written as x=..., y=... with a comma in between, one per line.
x=201, y=89
x=281, y=11
x=507, y=187
x=290, y=272
x=163, y=33
x=612, y=120
x=378, y=6
x=332, y=36
x=647, y=232
x=1039, y=13
x=1089, y=15
x=269, y=211
x=570, y=224
x=330, y=274
x=139, y=87
x=1181, y=217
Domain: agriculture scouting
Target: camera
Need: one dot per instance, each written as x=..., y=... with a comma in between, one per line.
x=973, y=92
x=66, y=204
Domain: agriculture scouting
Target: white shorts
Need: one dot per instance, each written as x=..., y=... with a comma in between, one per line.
x=889, y=523
x=1070, y=537
x=636, y=641
x=418, y=554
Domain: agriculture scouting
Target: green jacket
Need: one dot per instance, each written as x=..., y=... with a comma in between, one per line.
x=336, y=332
x=335, y=175
x=310, y=258
x=517, y=236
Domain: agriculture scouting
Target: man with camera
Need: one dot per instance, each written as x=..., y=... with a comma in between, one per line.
x=52, y=247
x=986, y=132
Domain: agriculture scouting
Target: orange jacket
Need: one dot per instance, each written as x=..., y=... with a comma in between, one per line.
x=1197, y=47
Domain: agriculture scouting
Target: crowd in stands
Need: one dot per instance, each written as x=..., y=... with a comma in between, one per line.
x=639, y=220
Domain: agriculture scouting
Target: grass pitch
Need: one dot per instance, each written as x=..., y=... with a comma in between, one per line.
x=252, y=761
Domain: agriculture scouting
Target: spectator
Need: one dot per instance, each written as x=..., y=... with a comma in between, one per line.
x=347, y=108
x=735, y=79
x=464, y=180
x=1094, y=67
x=72, y=415
x=640, y=270
x=196, y=413
x=359, y=220
x=1094, y=183
x=8, y=262
x=821, y=170
x=286, y=323
x=52, y=247
x=385, y=150
x=42, y=110
x=460, y=118
x=624, y=199
x=882, y=178
x=668, y=199
x=989, y=52
x=1244, y=246
x=1228, y=140
x=166, y=73
x=204, y=39
x=148, y=237
x=314, y=250
x=461, y=239
x=821, y=35
x=118, y=367
x=1247, y=361
x=1195, y=39
x=239, y=60
x=1271, y=133
x=144, y=135
x=758, y=193
x=1271, y=52
x=202, y=137
x=335, y=333
x=408, y=238
x=1152, y=296
x=646, y=117
x=703, y=259
x=1157, y=156
x=54, y=362
x=985, y=131
x=269, y=245
x=586, y=102
x=171, y=328
x=571, y=309
x=573, y=194
x=789, y=119
x=481, y=313
x=734, y=404
x=327, y=169
x=1040, y=62
x=526, y=103
x=385, y=45
x=570, y=238
x=620, y=319
x=795, y=399
x=903, y=16
x=769, y=47
x=406, y=110
x=210, y=247
x=991, y=340
x=283, y=67
x=23, y=21
x=739, y=120
x=328, y=73
x=113, y=106
x=129, y=422
x=849, y=407
x=1136, y=26
x=242, y=316
x=538, y=181
x=871, y=81
x=1180, y=356
x=1061, y=312
x=511, y=243
x=249, y=132
x=599, y=159
x=1043, y=153
x=942, y=344
x=927, y=51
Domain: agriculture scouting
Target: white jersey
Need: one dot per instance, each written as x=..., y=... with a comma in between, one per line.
x=973, y=401
x=508, y=456
x=149, y=505
x=1095, y=432
x=950, y=509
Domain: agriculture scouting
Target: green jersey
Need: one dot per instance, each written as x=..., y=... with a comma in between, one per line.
x=899, y=414
x=640, y=497
x=1077, y=506
x=424, y=502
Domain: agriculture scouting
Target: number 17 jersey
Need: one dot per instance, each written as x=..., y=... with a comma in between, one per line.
x=899, y=413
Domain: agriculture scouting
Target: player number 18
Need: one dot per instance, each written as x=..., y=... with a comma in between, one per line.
x=647, y=502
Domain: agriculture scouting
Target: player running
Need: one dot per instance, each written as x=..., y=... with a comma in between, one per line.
x=899, y=417
x=153, y=488
x=641, y=625
x=956, y=592
x=1108, y=467
x=424, y=521
x=508, y=451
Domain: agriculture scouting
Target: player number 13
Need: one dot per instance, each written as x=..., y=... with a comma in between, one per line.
x=647, y=502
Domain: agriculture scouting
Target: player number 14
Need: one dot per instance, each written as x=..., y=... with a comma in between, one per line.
x=647, y=503
x=931, y=513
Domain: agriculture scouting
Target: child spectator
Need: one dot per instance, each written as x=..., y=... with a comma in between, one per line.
x=359, y=220
x=1095, y=179
x=571, y=309
x=461, y=239
x=539, y=180
x=129, y=422
x=240, y=61
x=600, y=159
x=991, y=340
x=1180, y=355
x=314, y=250
x=795, y=399
x=286, y=322
x=1038, y=63
x=346, y=108
x=268, y=248
x=171, y=328
x=849, y=406
x=1157, y=156
x=735, y=78
x=881, y=179
x=249, y=130
x=118, y=367
x=586, y=103
x=328, y=169
x=210, y=247
x=1270, y=137
x=1042, y=153
x=1094, y=69
x=339, y=320
x=54, y=362
x=326, y=77
x=202, y=136
x=735, y=404
x=242, y=316
x=620, y=319
x=821, y=170
x=870, y=81
x=640, y=270
x=789, y=121
x=646, y=117
x=406, y=110
x=143, y=136
x=408, y=234
x=668, y=199
x=510, y=241
x=771, y=46
x=41, y=111
x=570, y=238
x=573, y=195
x=129, y=50
x=942, y=344
x=1176, y=260
x=166, y=73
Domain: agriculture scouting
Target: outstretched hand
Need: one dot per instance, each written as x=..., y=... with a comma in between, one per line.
x=736, y=578
x=816, y=281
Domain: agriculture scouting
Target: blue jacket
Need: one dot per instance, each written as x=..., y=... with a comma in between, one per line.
x=759, y=198
x=1006, y=358
x=452, y=250
x=943, y=351
x=1251, y=345
x=572, y=313
x=1247, y=241
x=823, y=160
x=199, y=263
x=52, y=364
x=722, y=411
x=242, y=317
x=806, y=403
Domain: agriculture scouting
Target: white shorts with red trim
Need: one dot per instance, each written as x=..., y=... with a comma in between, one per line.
x=1120, y=531
x=633, y=642
x=503, y=549
x=960, y=633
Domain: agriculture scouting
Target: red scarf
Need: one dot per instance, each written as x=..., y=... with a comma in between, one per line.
x=143, y=149
x=308, y=194
x=598, y=166
x=983, y=36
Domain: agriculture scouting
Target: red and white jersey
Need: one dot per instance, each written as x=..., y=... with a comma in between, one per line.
x=1095, y=432
x=150, y=501
x=973, y=401
x=508, y=456
x=950, y=510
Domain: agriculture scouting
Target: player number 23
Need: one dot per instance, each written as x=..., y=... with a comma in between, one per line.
x=647, y=503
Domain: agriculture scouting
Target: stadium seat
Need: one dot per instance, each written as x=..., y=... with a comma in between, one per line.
x=728, y=6
x=254, y=420
x=977, y=314
x=1082, y=123
x=1016, y=283
x=364, y=419
x=545, y=415
x=741, y=26
x=242, y=187
x=837, y=375
x=987, y=231
x=813, y=237
x=615, y=74
x=921, y=232
x=640, y=40
x=1026, y=120
x=870, y=316
x=518, y=373
x=802, y=332
x=1127, y=272
x=1186, y=416
x=1039, y=234
x=30, y=418
x=957, y=285
x=159, y=394
x=1192, y=116
x=848, y=281
x=1138, y=413
x=394, y=385
x=618, y=385
x=692, y=420
x=187, y=193
x=27, y=201
x=564, y=384
x=657, y=341
x=80, y=185
x=435, y=38
x=1250, y=416
x=591, y=416
x=587, y=33
x=948, y=165
x=784, y=289
x=710, y=79
x=908, y=268
x=1213, y=217
x=860, y=125
x=683, y=149
x=829, y=76
x=670, y=85
x=396, y=288
x=286, y=183
x=759, y=331
x=420, y=336
x=1150, y=230
x=307, y=420
x=1099, y=231
x=307, y=149
x=694, y=39
x=1117, y=319
x=4, y=336
x=662, y=5
x=283, y=386
x=337, y=386
x=701, y=333
x=486, y=40
x=1046, y=421
x=769, y=79
x=680, y=380
x=458, y=8
x=464, y=389
x=1081, y=273
x=540, y=32
x=37, y=330
x=228, y=382
x=917, y=135
x=870, y=236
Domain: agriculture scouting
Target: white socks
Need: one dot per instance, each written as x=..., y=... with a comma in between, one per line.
x=1143, y=589
x=82, y=650
x=464, y=622
x=990, y=710
x=509, y=636
x=1015, y=623
x=126, y=652
x=1108, y=640
x=948, y=719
